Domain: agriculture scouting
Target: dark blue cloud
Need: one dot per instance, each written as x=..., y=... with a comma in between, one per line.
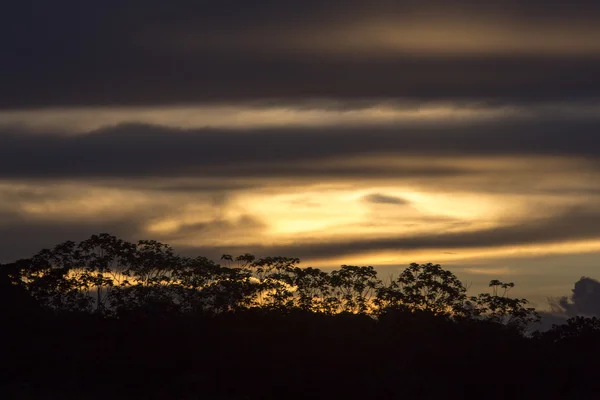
x=126, y=52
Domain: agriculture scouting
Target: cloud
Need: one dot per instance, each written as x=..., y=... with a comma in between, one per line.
x=168, y=176
x=248, y=100
x=576, y=224
x=383, y=199
x=585, y=299
x=263, y=114
x=498, y=271
x=259, y=221
x=23, y=236
x=236, y=230
x=134, y=150
x=131, y=54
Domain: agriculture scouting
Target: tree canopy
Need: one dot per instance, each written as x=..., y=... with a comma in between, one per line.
x=107, y=313
x=108, y=276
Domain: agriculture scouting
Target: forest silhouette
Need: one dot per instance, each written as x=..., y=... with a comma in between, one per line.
x=106, y=318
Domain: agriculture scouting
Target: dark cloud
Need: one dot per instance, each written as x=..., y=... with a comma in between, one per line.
x=22, y=236
x=194, y=187
x=385, y=199
x=522, y=78
x=157, y=52
x=585, y=299
x=146, y=151
x=218, y=227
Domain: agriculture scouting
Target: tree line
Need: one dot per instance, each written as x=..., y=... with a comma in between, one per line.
x=111, y=277
x=136, y=320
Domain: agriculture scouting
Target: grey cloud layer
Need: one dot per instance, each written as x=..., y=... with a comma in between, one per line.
x=138, y=150
x=74, y=53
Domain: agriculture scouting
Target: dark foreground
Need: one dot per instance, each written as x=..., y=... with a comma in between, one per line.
x=268, y=355
x=108, y=319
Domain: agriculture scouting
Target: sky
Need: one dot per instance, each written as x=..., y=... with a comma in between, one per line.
x=342, y=132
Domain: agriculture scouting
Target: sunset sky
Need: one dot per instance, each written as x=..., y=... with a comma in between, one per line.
x=342, y=132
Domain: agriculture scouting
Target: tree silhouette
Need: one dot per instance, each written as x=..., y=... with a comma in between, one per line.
x=268, y=327
x=109, y=276
x=424, y=287
x=576, y=328
x=499, y=308
x=353, y=288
